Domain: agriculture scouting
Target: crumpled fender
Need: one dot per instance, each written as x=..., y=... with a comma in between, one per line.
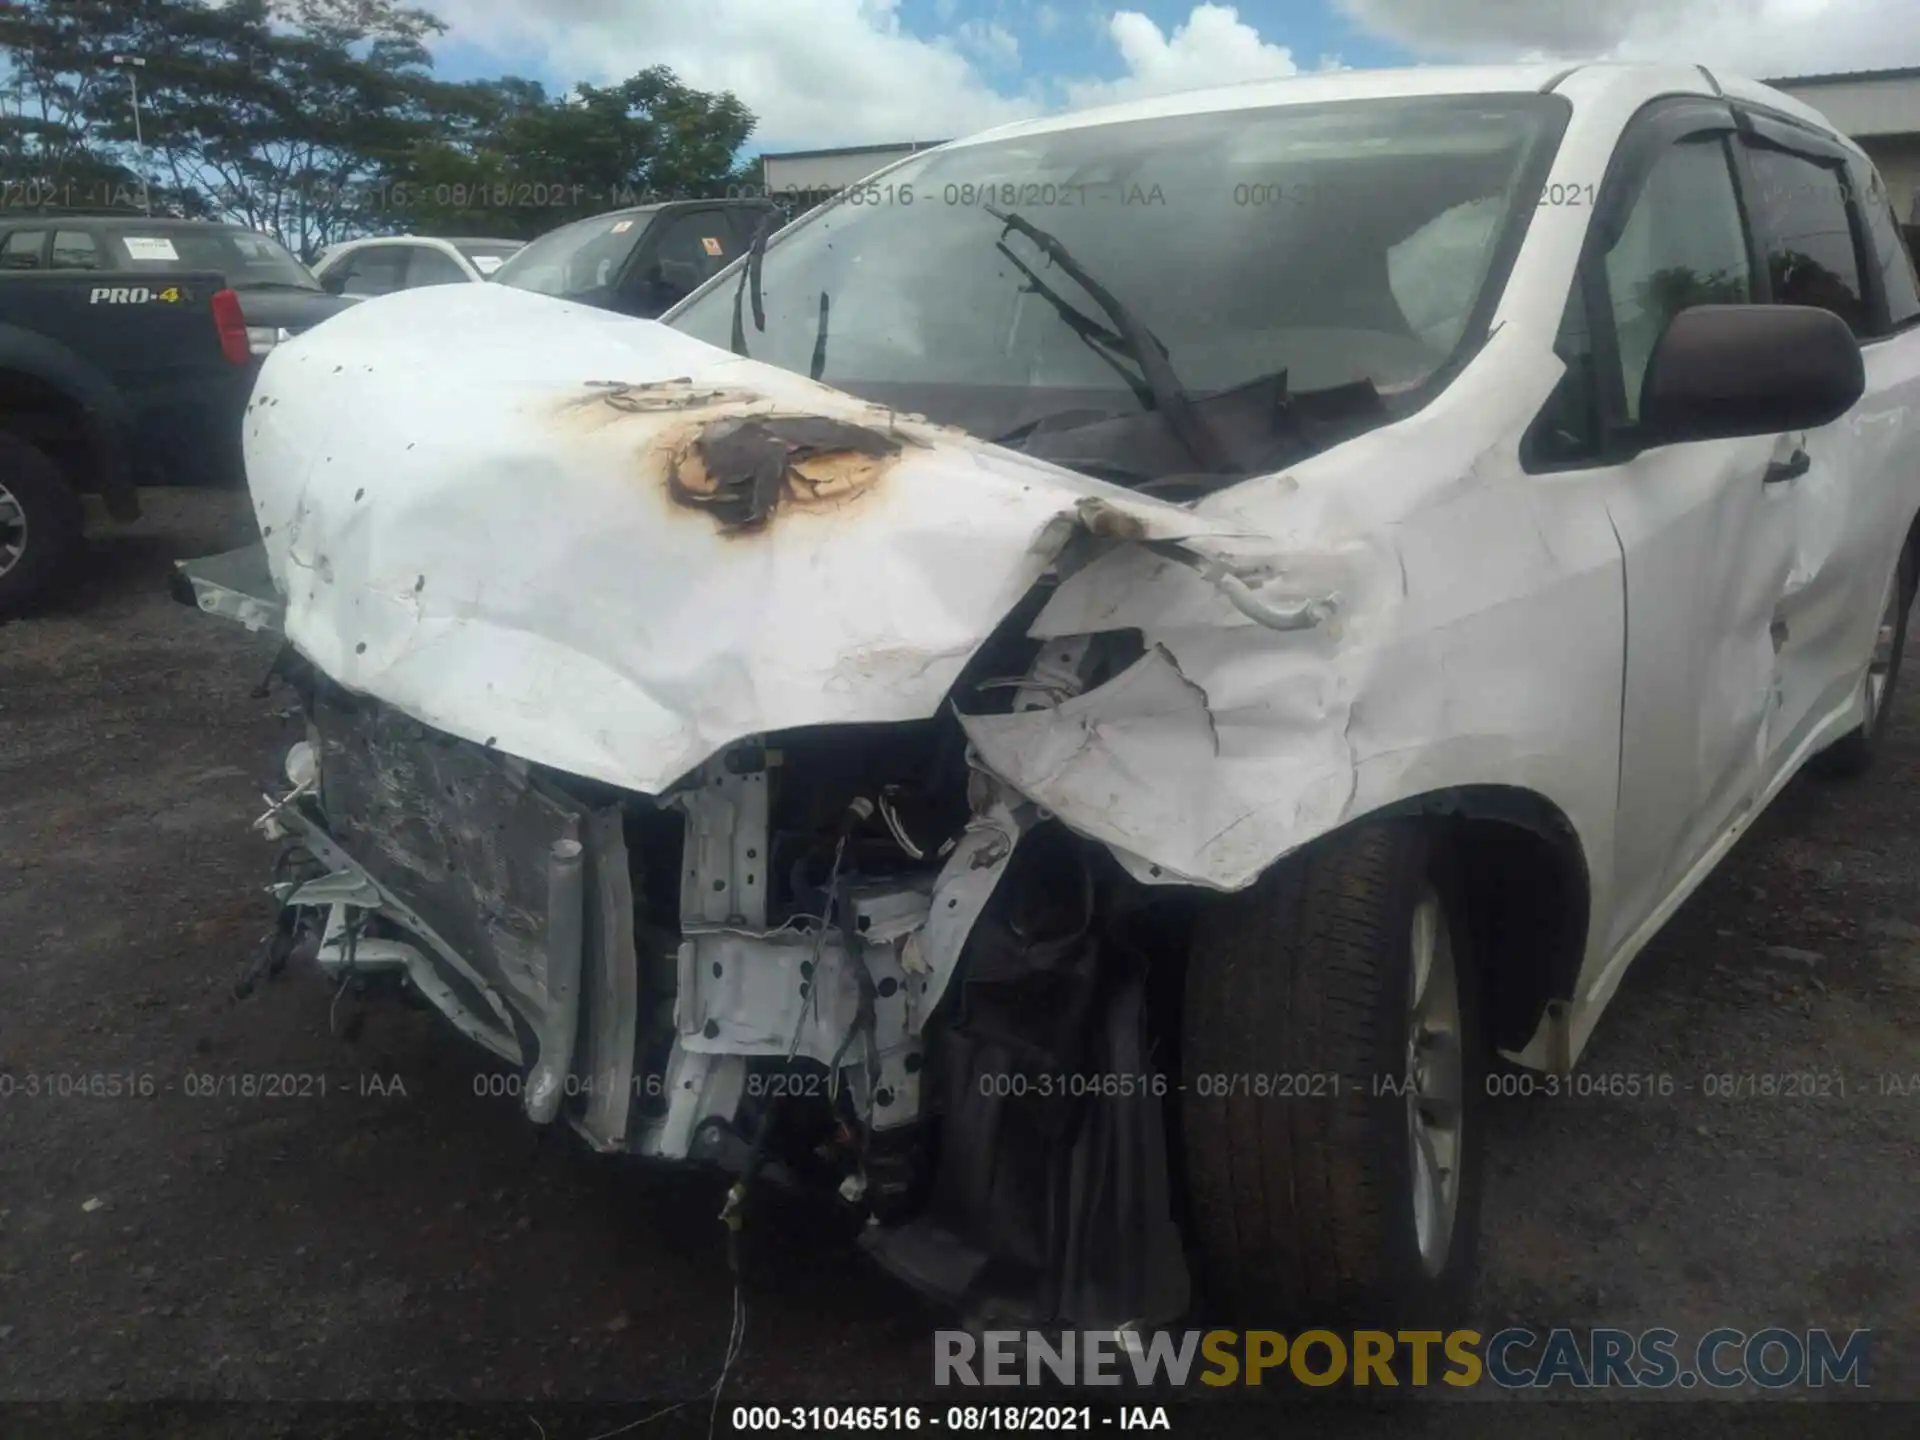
x=1476, y=637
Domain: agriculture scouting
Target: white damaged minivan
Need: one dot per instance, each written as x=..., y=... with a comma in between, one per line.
x=1081, y=694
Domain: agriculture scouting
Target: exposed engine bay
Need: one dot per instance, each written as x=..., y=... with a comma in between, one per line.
x=675, y=793
x=745, y=970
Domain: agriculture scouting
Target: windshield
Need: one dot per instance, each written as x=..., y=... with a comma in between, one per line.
x=581, y=261
x=1209, y=293
x=249, y=260
x=488, y=255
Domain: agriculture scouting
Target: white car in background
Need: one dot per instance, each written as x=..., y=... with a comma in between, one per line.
x=1080, y=693
x=382, y=264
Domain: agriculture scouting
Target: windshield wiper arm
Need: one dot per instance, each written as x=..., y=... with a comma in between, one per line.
x=818, y=366
x=1169, y=395
x=1097, y=337
x=750, y=272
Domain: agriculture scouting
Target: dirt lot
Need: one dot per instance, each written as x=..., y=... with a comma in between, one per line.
x=402, y=1236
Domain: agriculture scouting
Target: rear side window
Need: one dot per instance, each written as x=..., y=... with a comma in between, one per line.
x=1800, y=212
x=22, y=248
x=1890, y=253
x=75, y=250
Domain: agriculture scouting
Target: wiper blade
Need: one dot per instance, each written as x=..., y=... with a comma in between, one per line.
x=750, y=275
x=1097, y=337
x=818, y=367
x=1145, y=349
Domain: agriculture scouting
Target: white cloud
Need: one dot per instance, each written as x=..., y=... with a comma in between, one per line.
x=846, y=72
x=1213, y=47
x=813, y=71
x=992, y=45
x=1761, y=38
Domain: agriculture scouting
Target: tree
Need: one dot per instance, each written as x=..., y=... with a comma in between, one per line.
x=321, y=119
x=282, y=114
x=529, y=163
x=60, y=77
x=274, y=113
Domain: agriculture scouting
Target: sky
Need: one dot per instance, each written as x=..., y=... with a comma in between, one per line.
x=851, y=72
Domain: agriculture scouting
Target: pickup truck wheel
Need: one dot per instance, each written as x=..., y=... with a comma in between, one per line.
x=1330, y=1050
x=39, y=523
x=1854, y=753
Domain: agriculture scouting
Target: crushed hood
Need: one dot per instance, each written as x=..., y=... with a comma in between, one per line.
x=601, y=545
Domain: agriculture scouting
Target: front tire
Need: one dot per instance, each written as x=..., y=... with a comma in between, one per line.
x=40, y=524
x=1345, y=986
x=1853, y=754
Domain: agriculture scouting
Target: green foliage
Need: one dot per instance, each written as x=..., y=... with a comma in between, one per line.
x=319, y=120
x=60, y=76
x=528, y=164
x=1668, y=292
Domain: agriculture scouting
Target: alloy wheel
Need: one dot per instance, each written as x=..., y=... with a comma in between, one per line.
x=1434, y=1080
x=13, y=530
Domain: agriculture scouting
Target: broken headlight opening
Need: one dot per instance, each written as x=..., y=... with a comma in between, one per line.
x=840, y=958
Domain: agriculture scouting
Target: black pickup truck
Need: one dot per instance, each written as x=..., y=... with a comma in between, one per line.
x=108, y=381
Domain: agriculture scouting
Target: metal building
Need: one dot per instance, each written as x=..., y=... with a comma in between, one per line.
x=819, y=173
x=1880, y=110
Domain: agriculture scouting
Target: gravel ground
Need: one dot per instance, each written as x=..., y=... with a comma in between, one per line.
x=401, y=1237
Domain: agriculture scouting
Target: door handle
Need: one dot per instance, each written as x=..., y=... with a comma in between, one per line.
x=1791, y=468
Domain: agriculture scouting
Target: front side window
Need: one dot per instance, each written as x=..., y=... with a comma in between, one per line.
x=1800, y=214
x=582, y=261
x=691, y=248
x=1307, y=272
x=1682, y=245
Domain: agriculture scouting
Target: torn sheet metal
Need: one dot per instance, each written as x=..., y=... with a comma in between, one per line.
x=347, y=887
x=1458, y=582
x=596, y=543
x=455, y=834
x=1134, y=763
